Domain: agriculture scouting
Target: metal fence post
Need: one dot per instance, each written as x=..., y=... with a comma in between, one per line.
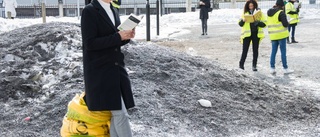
x=43, y=11
x=60, y=5
x=158, y=18
x=78, y=8
x=148, y=20
x=188, y=5
x=135, y=11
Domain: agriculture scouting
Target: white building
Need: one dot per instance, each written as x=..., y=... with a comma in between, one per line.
x=49, y=2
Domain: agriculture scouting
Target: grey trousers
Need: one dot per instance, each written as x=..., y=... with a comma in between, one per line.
x=120, y=126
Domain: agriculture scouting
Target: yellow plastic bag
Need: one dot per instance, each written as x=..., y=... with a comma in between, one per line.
x=80, y=122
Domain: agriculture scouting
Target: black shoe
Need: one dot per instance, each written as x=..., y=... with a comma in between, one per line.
x=288, y=41
x=202, y=34
x=206, y=33
x=241, y=65
x=293, y=40
x=254, y=69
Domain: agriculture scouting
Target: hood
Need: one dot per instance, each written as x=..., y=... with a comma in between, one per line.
x=272, y=11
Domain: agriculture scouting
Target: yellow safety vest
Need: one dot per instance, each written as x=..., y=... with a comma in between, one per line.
x=292, y=18
x=115, y=4
x=275, y=28
x=246, y=32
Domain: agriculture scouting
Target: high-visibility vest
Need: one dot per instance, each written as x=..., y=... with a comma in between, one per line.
x=246, y=31
x=292, y=18
x=275, y=28
x=115, y=4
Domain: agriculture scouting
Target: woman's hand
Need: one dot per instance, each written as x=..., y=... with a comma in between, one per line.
x=127, y=34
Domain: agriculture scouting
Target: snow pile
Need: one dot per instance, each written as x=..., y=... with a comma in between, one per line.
x=41, y=71
x=39, y=58
x=8, y=25
x=171, y=25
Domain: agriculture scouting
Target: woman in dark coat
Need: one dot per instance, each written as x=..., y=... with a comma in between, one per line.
x=204, y=16
x=107, y=85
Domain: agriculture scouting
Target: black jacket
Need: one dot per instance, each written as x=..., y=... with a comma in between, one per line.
x=204, y=9
x=282, y=16
x=104, y=74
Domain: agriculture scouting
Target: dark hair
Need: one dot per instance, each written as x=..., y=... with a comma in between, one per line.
x=278, y=7
x=246, y=6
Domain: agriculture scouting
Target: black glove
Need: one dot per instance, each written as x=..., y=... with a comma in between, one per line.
x=241, y=22
x=298, y=9
x=261, y=24
x=256, y=23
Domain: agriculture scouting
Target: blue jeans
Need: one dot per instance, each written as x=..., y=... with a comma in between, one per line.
x=293, y=30
x=275, y=45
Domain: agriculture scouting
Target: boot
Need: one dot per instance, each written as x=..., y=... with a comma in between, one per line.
x=254, y=67
x=293, y=40
x=288, y=41
x=241, y=66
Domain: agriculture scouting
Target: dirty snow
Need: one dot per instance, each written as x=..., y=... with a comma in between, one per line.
x=41, y=70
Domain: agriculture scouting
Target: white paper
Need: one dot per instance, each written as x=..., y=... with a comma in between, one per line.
x=129, y=24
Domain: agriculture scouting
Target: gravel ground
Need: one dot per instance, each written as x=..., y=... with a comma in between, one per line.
x=166, y=84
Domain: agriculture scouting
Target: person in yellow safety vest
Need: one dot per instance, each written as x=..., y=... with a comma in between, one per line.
x=251, y=33
x=293, y=18
x=277, y=28
x=116, y=4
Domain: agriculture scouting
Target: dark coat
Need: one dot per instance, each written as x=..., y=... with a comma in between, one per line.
x=104, y=74
x=204, y=9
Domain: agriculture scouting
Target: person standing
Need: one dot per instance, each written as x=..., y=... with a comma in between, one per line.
x=251, y=33
x=277, y=28
x=293, y=17
x=10, y=8
x=204, y=15
x=107, y=84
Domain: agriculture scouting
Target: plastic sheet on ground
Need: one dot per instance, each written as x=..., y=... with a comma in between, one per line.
x=80, y=122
